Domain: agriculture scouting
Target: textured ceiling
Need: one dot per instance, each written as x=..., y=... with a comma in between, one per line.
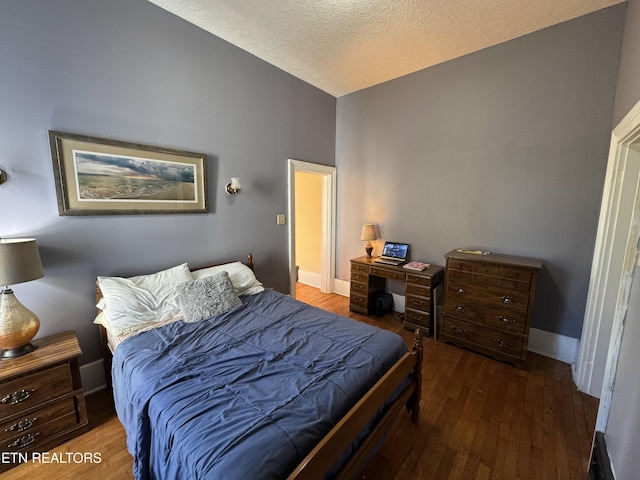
x=341, y=46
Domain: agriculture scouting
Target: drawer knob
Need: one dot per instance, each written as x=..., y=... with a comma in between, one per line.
x=458, y=330
x=24, y=424
x=504, y=319
x=23, y=441
x=17, y=397
x=460, y=308
x=506, y=299
x=461, y=290
x=503, y=343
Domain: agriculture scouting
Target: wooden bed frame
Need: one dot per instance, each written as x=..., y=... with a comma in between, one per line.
x=329, y=449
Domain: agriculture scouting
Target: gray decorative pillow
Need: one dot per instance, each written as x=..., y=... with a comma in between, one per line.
x=207, y=297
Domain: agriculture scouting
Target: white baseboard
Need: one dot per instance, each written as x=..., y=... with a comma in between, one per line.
x=309, y=278
x=92, y=375
x=341, y=287
x=553, y=345
x=548, y=344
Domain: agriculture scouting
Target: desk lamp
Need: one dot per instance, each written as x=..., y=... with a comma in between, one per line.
x=368, y=234
x=19, y=263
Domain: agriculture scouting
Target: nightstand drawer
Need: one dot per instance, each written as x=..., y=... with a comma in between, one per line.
x=33, y=419
x=32, y=439
x=24, y=392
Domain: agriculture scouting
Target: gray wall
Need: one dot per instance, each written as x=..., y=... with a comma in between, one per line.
x=128, y=70
x=504, y=150
x=623, y=428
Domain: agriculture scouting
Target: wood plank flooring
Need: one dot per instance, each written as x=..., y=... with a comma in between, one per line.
x=480, y=419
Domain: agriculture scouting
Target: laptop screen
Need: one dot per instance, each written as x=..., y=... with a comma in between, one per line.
x=395, y=250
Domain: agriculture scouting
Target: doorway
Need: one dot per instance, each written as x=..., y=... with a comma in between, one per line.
x=327, y=213
x=613, y=265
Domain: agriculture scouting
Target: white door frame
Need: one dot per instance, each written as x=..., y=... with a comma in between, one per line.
x=328, y=245
x=612, y=269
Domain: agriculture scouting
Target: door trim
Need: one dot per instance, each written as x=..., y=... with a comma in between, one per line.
x=328, y=249
x=614, y=260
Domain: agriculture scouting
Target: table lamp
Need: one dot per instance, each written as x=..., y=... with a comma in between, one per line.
x=19, y=263
x=368, y=234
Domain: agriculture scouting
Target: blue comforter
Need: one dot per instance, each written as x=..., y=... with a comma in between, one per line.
x=244, y=395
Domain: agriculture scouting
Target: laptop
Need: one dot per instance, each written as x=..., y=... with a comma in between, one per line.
x=393, y=253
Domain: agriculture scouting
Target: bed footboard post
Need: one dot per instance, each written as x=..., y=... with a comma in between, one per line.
x=250, y=261
x=414, y=401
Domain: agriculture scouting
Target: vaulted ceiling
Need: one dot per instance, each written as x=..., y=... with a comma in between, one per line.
x=341, y=46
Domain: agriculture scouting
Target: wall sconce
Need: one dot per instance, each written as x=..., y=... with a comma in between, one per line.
x=3, y=177
x=233, y=187
x=368, y=234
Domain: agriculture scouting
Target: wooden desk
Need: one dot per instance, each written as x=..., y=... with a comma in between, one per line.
x=368, y=282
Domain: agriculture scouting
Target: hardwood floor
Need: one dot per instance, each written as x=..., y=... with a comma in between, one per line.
x=480, y=419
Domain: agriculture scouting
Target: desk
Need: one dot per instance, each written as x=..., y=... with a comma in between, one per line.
x=368, y=282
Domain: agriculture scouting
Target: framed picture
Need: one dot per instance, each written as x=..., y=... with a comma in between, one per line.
x=96, y=176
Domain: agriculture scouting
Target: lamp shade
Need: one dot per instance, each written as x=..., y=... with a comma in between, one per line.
x=19, y=261
x=368, y=232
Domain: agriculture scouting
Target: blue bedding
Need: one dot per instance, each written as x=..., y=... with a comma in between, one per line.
x=244, y=395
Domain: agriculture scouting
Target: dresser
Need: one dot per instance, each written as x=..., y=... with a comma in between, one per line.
x=488, y=301
x=41, y=398
x=368, y=282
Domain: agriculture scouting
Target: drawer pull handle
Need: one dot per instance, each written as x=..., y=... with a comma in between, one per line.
x=17, y=397
x=356, y=300
x=508, y=300
x=24, y=424
x=460, y=308
x=417, y=303
x=461, y=290
x=24, y=440
x=458, y=330
x=358, y=287
x=504, y=319
x=503, y=343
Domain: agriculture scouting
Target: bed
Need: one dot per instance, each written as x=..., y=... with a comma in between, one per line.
x=266, y=387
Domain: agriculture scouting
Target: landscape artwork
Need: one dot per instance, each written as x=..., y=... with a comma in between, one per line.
x=98, y=176
x=102, y=176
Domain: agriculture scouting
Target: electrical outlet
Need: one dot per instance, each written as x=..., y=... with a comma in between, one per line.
x=280, y=219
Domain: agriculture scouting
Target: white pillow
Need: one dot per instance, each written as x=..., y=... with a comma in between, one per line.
x=133, y=303
x=242, y=277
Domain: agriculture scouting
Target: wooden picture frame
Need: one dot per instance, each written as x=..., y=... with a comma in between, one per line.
x=96, y=176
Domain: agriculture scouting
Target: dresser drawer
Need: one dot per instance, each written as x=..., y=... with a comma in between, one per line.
x=519, y=274
x=478, y=335
x=497, y=297
x=387, y=273
x=31, y=440
x=498, y=318
x=35, y=418
x=462, y=265
x=30, y=390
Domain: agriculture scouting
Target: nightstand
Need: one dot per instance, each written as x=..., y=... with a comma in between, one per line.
x=41, y=398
